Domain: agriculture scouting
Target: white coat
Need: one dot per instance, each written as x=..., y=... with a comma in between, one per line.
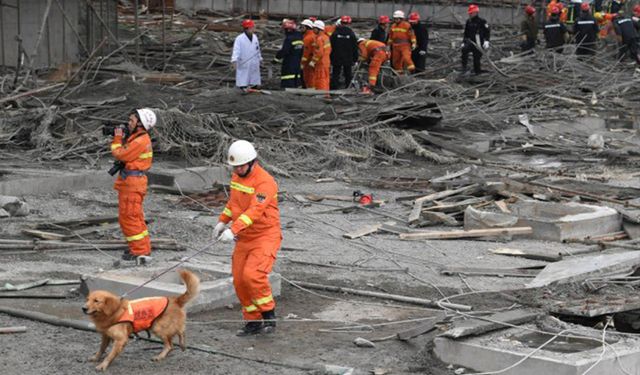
x=247, y=56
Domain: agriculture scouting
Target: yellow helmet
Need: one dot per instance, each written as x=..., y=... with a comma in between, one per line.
x=598, y=16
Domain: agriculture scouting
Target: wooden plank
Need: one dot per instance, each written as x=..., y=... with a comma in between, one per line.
x=474, y=233
x=477, y=326
x=499, y=272
x=502, y=205
x=24, y=286
x=17, y=329
x=437, y=218
x=527, y=254
x=364, y=231
x=450, y=176
x=414, y=216
x=44, y=235
x=457, y=206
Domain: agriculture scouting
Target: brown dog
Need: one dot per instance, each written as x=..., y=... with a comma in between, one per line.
x=117, y=318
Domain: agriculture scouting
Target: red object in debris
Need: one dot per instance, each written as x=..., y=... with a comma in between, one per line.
x=366, y=199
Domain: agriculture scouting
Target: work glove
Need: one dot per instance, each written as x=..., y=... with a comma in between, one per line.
x=118, y=132
x=413, y=47
x=312, y=64
x=462, y=45
x=422, y=53
x=276, y=60
x=227, y=236
x=218, y=229
x=485, y=45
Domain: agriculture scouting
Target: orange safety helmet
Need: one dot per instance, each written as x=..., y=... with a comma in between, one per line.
x=473, y=8
x=414, y=17
x=585, y=7
x=247, y=24
x=530, y=10
x=345, y=20
x=384, y=19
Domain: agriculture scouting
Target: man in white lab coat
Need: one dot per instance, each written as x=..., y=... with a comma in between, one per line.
x=246, y=57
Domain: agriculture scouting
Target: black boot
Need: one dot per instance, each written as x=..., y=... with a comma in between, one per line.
x=251, y=328
x=128, y=256
x=269, y=318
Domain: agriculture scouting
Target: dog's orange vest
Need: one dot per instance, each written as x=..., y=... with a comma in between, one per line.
x=141, y=313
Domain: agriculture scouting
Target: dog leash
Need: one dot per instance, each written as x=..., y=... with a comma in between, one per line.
x=215, y=241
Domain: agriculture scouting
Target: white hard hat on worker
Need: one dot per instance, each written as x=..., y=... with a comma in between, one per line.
x=147, y=118
x=398, y=14
x=319, y=25
x=241, y=152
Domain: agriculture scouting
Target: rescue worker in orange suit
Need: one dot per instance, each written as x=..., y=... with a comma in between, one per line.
x=290, y=55
x=321, y=59
x=136, y=153
x=375, y=53
x=402, y=42
x=381, y=32
x=344, y=53
x=251, y=218
x=586, y=31
x=419, y=54
x=475, y=38
x=309, y=45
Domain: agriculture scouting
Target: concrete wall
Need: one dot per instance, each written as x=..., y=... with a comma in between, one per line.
x=504, y=15
x=59, y=43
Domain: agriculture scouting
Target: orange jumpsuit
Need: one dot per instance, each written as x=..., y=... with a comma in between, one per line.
x=402, y=40
x=322, y=58
x=376, y=53
x=330, y=29
x=309, y=42
x=137, y=156
x=253, y=208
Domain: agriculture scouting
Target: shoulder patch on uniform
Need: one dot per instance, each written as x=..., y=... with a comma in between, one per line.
x=261, y=197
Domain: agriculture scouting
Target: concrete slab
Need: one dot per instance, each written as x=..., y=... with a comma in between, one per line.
x=19, y=185
x=470, y=327
x=577, y=269
x=189, y=179
x=563, y=221
x=216, y=284
x=574, y=356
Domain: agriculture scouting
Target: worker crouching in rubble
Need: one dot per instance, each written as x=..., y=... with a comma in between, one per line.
x=253, y=211
x=375, y=53
x=135, y=155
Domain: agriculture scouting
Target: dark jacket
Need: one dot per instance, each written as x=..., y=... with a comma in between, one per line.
x=291, y=52
x=615, y=6
x=344, y=46
x=422, y=36
x=624, y=28
x=476, y=26
x=529, y=27
x=586, y=30
x=554, y=33
x=379, y=34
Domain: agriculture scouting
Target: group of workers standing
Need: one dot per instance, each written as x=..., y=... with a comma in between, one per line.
x=585, y=23
x=322, y=57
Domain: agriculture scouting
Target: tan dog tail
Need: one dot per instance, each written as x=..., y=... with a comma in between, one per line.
x=192, y=283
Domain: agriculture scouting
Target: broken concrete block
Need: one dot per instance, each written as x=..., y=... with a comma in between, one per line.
x=596, y=142
x=189, y=179
x=477, y=219
x=563, y=221
x=363, y=343
x=14, y=206
x=55, y=184
x=4, y=213
x=472, y=327
x=578, y=269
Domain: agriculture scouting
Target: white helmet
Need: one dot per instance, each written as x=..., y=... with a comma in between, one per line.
x=147, y=117
x=241, y=152
x=319, y=25
x=398, y=14
x=307, y=23
x=360, y=40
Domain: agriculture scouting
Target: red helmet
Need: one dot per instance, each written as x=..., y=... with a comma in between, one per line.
x=345, y=20
x=414, y=17
x=530, y=10
x=247, y=24
x=384, y=20
x=289, y=25
x=636, y=10
x=473, y=8
x=555, y=10
x=585, y=7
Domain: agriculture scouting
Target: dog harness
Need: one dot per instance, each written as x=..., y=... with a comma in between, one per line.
x=143, y=312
